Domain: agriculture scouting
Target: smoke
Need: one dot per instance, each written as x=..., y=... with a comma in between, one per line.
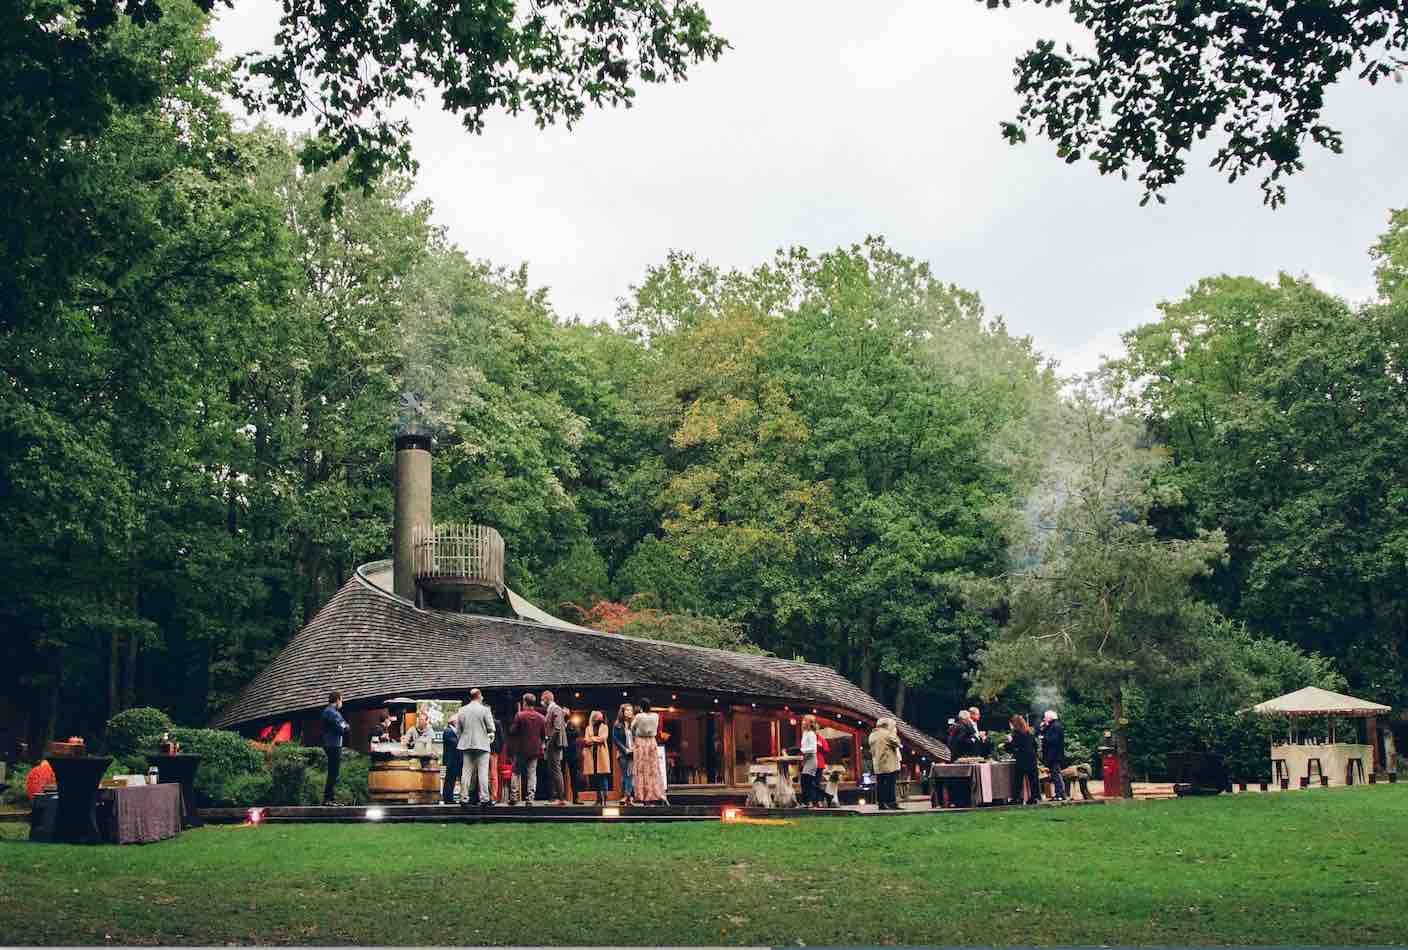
x=438, y=340
x=1046, y=696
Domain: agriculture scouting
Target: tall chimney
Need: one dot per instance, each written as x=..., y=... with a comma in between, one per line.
x=412, y=507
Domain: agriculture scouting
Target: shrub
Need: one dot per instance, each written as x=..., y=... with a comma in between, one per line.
x=253, y=788
x=288, y=771
x=134, y=764
x=225, y=757
x=130, y=729
x=14, y=794
x=351, y=781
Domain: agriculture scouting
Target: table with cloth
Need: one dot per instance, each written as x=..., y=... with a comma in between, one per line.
x=975, y=783
x=139, y=814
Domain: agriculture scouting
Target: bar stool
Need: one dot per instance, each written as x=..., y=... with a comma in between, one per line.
x=1305, y=782
x=1350, y=766
x=1280, y=773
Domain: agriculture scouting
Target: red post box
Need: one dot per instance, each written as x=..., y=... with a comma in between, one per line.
x=1110, y=774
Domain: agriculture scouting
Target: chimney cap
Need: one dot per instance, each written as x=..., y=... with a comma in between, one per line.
x=413, y=440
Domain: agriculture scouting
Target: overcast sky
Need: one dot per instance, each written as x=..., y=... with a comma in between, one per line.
x=827, y=122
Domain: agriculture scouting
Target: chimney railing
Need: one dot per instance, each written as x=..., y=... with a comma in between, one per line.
x=458, y=555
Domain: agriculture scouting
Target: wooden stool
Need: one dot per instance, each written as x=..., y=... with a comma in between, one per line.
x=1318, y=768
x=1350, y=766
x=1281, y=773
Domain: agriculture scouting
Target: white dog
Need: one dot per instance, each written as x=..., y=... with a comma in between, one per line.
x=759, y=795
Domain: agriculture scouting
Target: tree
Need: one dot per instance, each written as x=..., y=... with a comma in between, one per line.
x=1284, y=411
x=1110, y=605
x=841, y=458
x=1165, y=74
x=352, y=65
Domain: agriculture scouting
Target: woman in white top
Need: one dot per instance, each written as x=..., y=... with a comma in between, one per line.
x=645, y=760
x=809, y=791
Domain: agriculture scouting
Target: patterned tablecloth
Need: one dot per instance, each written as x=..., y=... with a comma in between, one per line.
x=140, y=813
x=987, y=782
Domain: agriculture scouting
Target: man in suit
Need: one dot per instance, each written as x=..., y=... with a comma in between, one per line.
x=335, y=728
x=527, y=734
x=475, y=725
x=556, y=726
x=454, y=761
x=1053, y=752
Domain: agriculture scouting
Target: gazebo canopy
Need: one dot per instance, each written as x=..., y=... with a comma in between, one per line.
x=1314, y=701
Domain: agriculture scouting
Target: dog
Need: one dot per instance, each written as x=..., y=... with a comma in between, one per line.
x=785, y=795
x=759, y=795
x=832, y=786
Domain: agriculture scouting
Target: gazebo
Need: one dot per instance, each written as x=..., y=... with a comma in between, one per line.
x=1335, y=760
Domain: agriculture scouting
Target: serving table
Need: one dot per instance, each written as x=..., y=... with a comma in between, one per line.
x=976, y=783
x=180, y=769
x=139, y=814
x=1334, y=759
x=77, y=777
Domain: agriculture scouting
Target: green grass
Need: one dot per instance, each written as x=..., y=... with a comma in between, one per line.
x=1312, y=867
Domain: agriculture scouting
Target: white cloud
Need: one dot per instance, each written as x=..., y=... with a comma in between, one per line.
x=827, y=122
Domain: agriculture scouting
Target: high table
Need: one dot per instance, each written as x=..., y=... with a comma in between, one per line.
x=77, y=778
x=180, y=769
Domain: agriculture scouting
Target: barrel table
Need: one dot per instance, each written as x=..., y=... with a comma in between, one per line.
x=404, y=780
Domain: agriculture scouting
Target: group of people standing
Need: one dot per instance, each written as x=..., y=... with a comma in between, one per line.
x=639, y=745
x=542, y=734
x=1023, y=746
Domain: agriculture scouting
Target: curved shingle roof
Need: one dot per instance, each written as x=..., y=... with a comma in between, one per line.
x=371, y=644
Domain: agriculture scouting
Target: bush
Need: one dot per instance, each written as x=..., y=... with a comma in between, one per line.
x=129, y=730
x=250, y=789
x=288, y=772
x=14, y=794
x=225, y=758
x=134, y=764
x=351, y=781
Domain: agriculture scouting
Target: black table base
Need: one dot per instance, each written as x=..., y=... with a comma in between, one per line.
x=78, y=779
x=181, y=769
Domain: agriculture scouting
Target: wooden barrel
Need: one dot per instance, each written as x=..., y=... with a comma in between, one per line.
x=404, y=781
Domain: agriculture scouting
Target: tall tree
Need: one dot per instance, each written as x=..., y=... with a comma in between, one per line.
x=1110, y=605
x=1283, y=410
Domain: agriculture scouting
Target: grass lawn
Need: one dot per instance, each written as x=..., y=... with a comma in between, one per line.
x=1312, y=867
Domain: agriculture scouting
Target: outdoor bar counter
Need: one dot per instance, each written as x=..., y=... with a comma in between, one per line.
x=1334, y=758
x=401, y=776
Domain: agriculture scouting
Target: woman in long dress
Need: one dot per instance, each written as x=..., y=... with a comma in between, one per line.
x=645, y=762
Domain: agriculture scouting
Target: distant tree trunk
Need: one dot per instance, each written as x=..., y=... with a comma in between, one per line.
x=867, y=675
x=128, y=694
x=1122, y=746
x=51, y=714
x=129, y=672
x=114, y=662
x=900, y=692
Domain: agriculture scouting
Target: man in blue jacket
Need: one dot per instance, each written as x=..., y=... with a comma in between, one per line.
x=334, y=729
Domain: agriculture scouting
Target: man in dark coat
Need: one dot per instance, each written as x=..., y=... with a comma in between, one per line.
x=334, y=729
x=1053, y=752
x=454, y=764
